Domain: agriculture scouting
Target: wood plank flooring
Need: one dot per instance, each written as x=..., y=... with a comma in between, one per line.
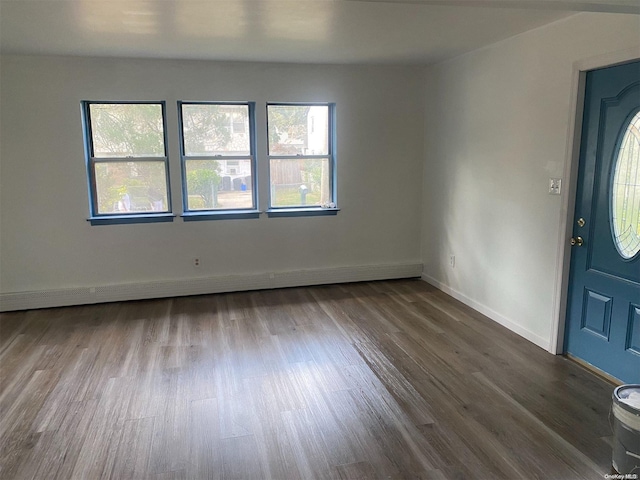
x=379, y=380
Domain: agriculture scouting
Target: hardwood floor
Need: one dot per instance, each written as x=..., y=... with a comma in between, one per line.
x=359, y=381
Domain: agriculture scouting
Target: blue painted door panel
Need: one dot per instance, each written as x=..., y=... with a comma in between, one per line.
x=603, y=316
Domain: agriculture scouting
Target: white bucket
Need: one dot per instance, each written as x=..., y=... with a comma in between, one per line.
x=626, y=429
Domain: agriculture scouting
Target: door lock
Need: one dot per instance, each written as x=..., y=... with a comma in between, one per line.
x=576, y=241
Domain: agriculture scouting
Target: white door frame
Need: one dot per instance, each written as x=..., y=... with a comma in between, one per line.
x=570, y=176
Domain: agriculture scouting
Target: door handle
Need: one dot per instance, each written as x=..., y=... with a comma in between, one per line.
x=576, y=241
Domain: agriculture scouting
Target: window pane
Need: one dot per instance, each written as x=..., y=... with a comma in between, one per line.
x=219, y=184
x=127, y=130
x=298, y=129
x=131, y=187
x=625, y=194
x=215, y=129
x=296, y=182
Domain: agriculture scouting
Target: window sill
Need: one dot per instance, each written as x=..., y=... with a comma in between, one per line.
x=132, y=218
x=301, y=212
x=221, y=215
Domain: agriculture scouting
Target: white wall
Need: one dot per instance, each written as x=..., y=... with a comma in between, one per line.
x=498, y=126
x=46, y=242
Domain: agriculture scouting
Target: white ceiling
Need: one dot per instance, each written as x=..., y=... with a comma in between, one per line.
x=309, y=31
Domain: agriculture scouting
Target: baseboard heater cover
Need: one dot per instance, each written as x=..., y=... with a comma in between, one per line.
x=204, y=285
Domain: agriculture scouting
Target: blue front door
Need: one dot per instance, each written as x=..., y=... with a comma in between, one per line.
x=603, y=317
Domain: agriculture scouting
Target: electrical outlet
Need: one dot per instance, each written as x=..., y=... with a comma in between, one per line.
x=452, y=261
x=196, y=262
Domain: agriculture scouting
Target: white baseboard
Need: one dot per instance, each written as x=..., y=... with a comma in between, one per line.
x=198, y=286
x=544, y=343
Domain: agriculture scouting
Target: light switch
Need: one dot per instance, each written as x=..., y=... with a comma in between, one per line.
x=555, y=186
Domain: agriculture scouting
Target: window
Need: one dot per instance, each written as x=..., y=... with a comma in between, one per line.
x=128, y=165
x=301, y=157
x=127, y=161
x=217, y=148
x=625, y=194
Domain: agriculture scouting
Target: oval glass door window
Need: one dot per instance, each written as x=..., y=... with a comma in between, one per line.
x=625, y=194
